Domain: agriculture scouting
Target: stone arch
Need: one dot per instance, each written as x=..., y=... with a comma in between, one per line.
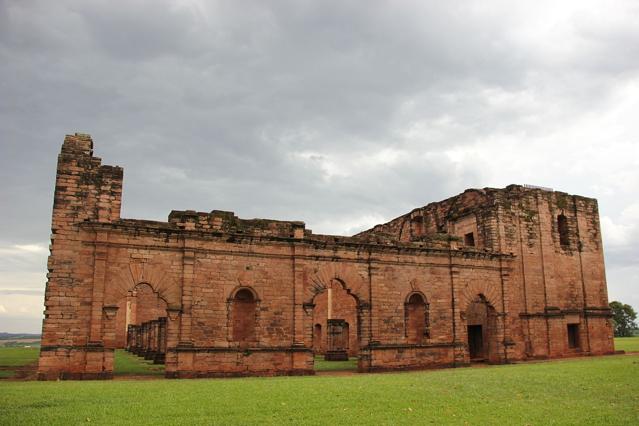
x=241, y=287
x=490, y=293
x=419, y=285
x=140, y=288
x=125, y=279
x=418, y=293
x=351, y=281
x=141, y=304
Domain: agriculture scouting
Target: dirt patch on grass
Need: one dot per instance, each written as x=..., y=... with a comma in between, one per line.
x=19, y=372
x=137, y=377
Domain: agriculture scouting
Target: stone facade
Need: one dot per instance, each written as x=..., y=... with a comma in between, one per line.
x=494, y=274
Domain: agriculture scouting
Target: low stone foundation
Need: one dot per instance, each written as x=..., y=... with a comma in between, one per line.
x=237, y=362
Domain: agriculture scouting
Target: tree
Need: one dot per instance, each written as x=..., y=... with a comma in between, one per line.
x=623, y=317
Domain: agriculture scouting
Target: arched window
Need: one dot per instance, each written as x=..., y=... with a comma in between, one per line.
x=416, y=319
x=562, y=228
x=243, y=317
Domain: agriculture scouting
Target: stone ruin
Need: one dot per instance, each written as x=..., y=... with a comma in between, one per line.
x=489, y=275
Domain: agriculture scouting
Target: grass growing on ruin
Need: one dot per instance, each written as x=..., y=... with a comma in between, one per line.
x=628, y=344
x=601, y=390
x=129, y=364
x=322, y=365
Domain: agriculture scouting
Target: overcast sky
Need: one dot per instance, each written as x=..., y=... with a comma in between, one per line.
x=341, y=114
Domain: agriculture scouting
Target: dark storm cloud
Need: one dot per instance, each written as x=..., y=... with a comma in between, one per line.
x=229, y=94
x=340, y=114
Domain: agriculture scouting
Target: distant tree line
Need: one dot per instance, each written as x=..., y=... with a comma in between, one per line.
x=11, y=336
x=623, y=318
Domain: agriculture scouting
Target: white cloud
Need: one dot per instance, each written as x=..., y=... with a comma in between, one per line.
x=349, y=225
x=21, y=305
x=617, y=234
x=23, y=249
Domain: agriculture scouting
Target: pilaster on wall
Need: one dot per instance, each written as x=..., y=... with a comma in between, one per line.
x=298, y=302
x=367, y=322
x=108, y=327
x=188, y=275
x=457, y=324
x=370, y=327
x=172, y=339
x=99, y=273
x=364, y=362
x=505, y=324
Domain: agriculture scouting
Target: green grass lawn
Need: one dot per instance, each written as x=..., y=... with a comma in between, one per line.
x=129, y=364
x=323, y=365
x=16, y=357
x=628, y=344
x=12, y=358
x=601, y=390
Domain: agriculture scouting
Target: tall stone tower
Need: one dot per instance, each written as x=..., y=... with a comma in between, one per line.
x=72, y=335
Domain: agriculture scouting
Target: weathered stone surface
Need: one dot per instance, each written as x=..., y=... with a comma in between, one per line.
x=225, y=296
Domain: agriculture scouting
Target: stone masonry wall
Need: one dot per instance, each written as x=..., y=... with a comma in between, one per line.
x=72, y=334
x=551, y=284
x=197, y=268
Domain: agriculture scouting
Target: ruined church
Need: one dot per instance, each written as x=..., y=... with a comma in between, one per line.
x=489, y=275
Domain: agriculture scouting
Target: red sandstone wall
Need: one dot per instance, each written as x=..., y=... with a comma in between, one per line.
x=85, y=190
x=549, y=282
x=197, y=262
x=554, y=284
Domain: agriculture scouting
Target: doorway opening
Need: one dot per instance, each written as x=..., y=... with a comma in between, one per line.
x=481, y=328
x=140, y=330
x=573, y=336
x=335, y=329
x=476, y=343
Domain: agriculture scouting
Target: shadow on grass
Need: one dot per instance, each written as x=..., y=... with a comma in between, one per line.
x=18, y=362
x=127, y=364
x=322, y=365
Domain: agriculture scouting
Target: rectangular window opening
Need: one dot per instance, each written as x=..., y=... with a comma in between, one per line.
x=562, y=228
x=469, y=239
x=573, y=336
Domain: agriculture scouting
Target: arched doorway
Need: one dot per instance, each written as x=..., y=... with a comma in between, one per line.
x=481, y=330
x=336, y=324
x=140, y=324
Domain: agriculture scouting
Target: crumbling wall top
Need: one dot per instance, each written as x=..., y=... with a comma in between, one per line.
x=228, y=222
